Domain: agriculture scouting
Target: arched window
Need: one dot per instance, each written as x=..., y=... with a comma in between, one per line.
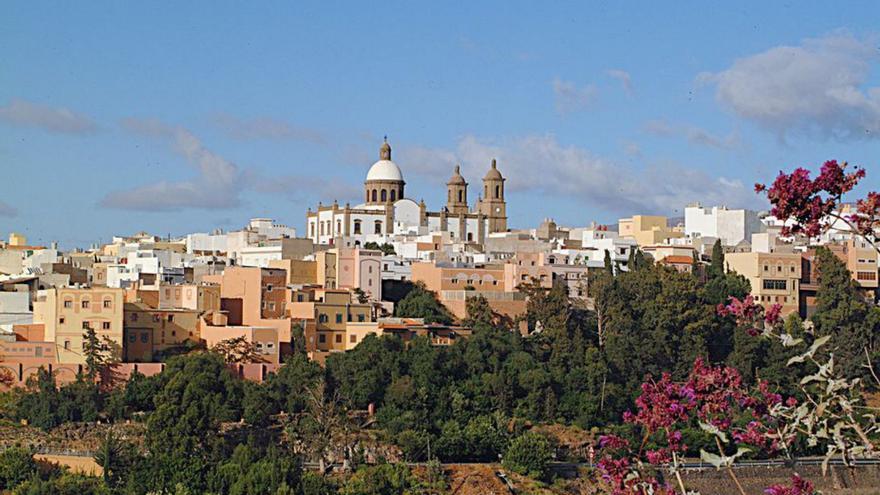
x=384, y=195
x=460, y=196
x=378, y=227
x=368, y=197
x=374, y=195
x=393, y=195
x=339, y=226
x=322, y=228
x=312, y=229
x=497, y=192
x=449, y=196
x=357, y=226
x=486, y=192
x=470, y=237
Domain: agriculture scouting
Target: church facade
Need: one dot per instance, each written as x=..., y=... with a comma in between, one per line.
x=386, y=211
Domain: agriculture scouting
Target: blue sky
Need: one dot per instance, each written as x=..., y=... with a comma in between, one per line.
x=118, y=117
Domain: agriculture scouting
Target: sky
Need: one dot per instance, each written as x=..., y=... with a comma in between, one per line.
x=178, y=117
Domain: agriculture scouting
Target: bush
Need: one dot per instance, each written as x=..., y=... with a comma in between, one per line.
x=16, y=465
x=528, y=455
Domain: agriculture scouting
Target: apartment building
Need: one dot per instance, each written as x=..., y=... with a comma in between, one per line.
x=324, y=314
x=648, y=230
x=149, y=331
x=67, y=313
x=774, y=277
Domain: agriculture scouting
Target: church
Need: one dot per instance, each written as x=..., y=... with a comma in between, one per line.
x=386, y=211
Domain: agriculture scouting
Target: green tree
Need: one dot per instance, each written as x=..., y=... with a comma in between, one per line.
x=198, y=394
x=422, y=303
x=528, y=454
x=383, y=479
x=479, y=314
x=842, y=311
x=16, y=465
x=116, y=458
x=716, y=266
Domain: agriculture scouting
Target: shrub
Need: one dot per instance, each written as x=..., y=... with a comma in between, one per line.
x=529, y=455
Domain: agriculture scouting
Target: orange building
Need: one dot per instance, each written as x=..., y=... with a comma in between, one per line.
x=67, y=313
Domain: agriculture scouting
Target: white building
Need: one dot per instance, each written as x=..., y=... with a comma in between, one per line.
x=731, y=226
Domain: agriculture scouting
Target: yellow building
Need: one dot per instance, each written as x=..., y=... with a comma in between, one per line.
x=16, y=239
x=67, y=313
x=299, y=272
x=647, y=230
x=774, y=277
x=149, y=331
x=324, y=314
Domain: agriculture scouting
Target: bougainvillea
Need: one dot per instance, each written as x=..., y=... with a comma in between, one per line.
x=799, y=486
x=805, y=204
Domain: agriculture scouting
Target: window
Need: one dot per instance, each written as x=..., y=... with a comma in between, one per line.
x=85, y=304
x=66, y=345
x=866, y=275
x=61, y=320
x=338, y=338
x=497, y=192
x=155, y=318
x=357, y=226
x=108, y=303
x=393, y=195
x=772, y=284
x=352, y=339
x=132, y=338
x=361, y=318
x=268, y=287
x=86, y=325
x=338, y=317
x=378, y=227
x=322, y=318
x=299, y=298
x=145, y=337
x=68, y=303
x=321, y=337
x=271, y=306
x=384, y=195
x=105, y=325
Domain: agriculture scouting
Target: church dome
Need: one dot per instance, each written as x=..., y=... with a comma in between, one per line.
x=385, y=169
x=493, y=173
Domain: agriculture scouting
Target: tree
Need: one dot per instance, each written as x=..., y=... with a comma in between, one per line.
x=238, y=350
x=198, y=393
x=529, y=455
x=479, y=313
x=360, y=296
x=16, y=465
x=116, y=458
x=422, y=303
x=100, y=355
x=387, y=249
x=716, y=266
x=842, y=311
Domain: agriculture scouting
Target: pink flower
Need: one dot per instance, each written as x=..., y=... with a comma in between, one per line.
x=772, y=314
x=799, y=486
x=613, y=442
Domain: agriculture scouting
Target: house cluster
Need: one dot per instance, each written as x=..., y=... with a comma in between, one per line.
x=324, y=292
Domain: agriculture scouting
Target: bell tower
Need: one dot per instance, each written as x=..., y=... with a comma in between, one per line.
x=493, y=204
x=456, y=193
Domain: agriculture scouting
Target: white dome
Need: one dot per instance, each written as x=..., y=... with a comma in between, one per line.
x=385, y=170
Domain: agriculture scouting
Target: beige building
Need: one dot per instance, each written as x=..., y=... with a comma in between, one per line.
x=67, y=313
x=199, y=298
x=455, y=284
x=774, y=277
x=405, y=328
x=324, y=314
x=299, y=272
x=149, y=331
x=648, y=230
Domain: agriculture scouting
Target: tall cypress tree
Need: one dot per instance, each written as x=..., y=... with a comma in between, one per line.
x=716, y=267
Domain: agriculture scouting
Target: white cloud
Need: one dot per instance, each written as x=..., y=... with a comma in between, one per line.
x=632, y=149
x=571, y=98
x=266, y=128
x=54, y=119
x=624, y=78
x=539, y=164
x=7, y=210
x=694, y=135
x=818, y=87
x=302, y=187
x=215, y=185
